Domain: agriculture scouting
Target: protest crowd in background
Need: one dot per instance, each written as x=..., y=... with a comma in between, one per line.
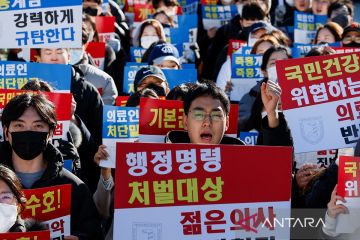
x=179, y=119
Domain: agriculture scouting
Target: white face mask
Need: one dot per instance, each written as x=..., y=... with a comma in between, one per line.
x=8, y=215
x=146, y=41
x=272, y=74
x=76, y=55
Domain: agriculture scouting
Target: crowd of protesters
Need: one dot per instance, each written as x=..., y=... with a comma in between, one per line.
x=29, y=160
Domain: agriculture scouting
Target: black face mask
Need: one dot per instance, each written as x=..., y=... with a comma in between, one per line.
x=341, y=19
x=91, y=11
x=246, y=32
x=29, y=144
x=158, y=89
x=352, y=44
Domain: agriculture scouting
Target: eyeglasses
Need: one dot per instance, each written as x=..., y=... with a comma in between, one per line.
x=7, y=197
x=200, y=115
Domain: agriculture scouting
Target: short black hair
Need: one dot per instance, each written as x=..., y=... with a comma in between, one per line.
x=168, y=3
x=207, y=88
x=16, y=107
x=134, y=99
x=339, y=4
x=269, y=52
x=253, y=11
x=179, y=91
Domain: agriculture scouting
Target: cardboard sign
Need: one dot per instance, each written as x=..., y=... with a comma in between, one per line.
x=51, y=205
x=38, y=235
x=40, y=24
x=320, y=99
x=245, y=73
x=97, y=52
x=215, y=16
x=349, y=188
x=186, y=191
x=105, y=26
x=14, y=75
x=120, y=124
x=158, y=117
x=61, y=101
x=305, y=26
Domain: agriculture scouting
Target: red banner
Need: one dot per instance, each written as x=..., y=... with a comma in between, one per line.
x=142, y=12
x=121, y=101
x=349, y=175
x=61, y=101
x=158, y=117
x=194, y=174
x=317, y=80
x=48, y=203
x=40, y=235
x=96, y=49
x=234, y=45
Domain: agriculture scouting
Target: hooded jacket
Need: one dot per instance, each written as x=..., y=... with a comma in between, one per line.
x=85, y=222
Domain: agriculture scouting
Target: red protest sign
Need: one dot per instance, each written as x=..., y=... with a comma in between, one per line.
x=61, y=101
x=121, y=101
x=38, y=235
x=51, y=205
x=105, y=26
x=234, y=45
x=169, y=184
x=158, y=117
x=97, y=51
x=316, y=80
x=349, y=175
x=142, y=12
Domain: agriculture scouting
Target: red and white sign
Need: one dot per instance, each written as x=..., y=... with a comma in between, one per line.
x=158, y=117
x=51, y=205
x=349, y=188
x=321, y=100
x=193, y=191
x=61, y=101
x=105, y=26
x=39, y=235
x=97, y=52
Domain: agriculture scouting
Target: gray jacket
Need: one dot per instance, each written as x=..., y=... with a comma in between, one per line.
x=102, y=81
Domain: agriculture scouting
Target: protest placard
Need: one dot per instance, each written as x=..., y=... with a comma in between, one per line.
x=61, y=101
x=305, y=26
x=214, y=16
x=245, y=73
x=158, y=117
x=97, y=52
x=349, y=188
x=193, y=191
x=105, y=26
x=120, y=124
x=321, y=100
x=38, y=235
x=52, y=206
x=14, y=75
x=40, y=24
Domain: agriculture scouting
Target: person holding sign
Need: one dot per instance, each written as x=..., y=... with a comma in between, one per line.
x=29, y=122
x=351, y=35
x=206, y=118
x=12, y=203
